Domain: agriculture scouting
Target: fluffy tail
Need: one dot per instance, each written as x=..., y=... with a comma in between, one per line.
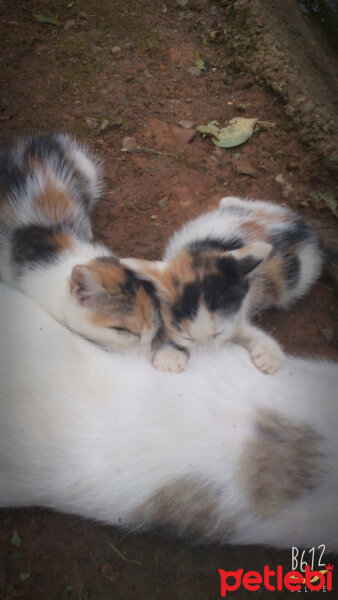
x=48, y=180
x=328, y=241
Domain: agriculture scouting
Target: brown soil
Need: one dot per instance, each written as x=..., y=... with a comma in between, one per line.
x=127, y=62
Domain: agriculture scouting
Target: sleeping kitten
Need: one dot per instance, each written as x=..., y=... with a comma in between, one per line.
x=218, y=454
x=48, y=185
x=223, y=267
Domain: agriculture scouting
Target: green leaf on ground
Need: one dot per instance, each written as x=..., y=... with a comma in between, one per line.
x=328, y=198
x=15, y=539
x=237, y=132
x=119, y=553
x=199, y=62
x=47, y=17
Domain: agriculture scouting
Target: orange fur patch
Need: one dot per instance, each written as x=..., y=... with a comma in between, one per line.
x=112, y=276
x=253, y=231
x=269, y=285
x=62, y=241
x=55, y=204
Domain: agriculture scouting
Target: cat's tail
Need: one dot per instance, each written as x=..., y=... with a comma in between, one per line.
x=328, y=242
x=87, y=169
x=48, y=180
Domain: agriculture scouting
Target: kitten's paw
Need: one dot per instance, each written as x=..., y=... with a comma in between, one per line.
x=170, y=359
x=267, y=356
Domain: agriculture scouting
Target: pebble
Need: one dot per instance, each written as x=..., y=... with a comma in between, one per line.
x=104, y=124
x=91, y=122
x=163, y=202
x=186, y=124
x=195, y=71
x=129, y=144
x=116, y=49
x=116, y=122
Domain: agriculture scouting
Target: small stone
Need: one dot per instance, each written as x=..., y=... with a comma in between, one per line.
x=243, y=166
x=116, y=123
x=280, y=179
x=163, y=202
x=186, y=124
x=153, y=217
x=327, y=333
x=195, y=71
x=116, y=49
x=91, y=122
x=104, y=124
x=184, y=136
x=69, y=23
x=129, y=144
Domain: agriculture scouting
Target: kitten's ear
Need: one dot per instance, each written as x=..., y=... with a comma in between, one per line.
x=150, y=270
x=252, y=255
x=84, y=286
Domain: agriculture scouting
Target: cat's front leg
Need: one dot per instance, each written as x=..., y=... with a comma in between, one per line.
x=167, y=356
x=265, y=352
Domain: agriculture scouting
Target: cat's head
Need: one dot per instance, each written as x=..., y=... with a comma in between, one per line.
x=112, y=306
x=202, y=293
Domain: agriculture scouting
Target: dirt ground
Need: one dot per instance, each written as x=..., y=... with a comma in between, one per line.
x=115, y=69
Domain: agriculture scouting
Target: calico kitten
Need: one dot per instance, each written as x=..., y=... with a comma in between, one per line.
x=49, y=185
x=220, y=453
x=225, y=266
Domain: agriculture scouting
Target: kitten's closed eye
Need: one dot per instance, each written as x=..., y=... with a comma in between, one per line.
x=124, y=331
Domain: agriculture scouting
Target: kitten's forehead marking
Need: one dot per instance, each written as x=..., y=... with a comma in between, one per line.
x=128, y=306
x=108, y=272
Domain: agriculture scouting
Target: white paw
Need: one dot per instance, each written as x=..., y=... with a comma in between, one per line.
x=170, y=359
x=267, y=356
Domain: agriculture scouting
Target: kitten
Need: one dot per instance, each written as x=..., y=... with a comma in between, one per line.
x=220, y=453
x=223, y=267
x=49, y=185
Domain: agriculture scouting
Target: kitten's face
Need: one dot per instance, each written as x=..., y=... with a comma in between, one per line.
x=202, y=294
x=119, y=310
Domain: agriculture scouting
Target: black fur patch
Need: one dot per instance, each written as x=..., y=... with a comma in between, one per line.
x=297, y=232
x=133, y=283
x=11, y=176
x=221, y=292
x=33, y=244
x=233, y=243
x=291, y=269
x=44, y=146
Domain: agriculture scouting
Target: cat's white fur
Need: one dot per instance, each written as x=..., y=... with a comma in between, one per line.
x=96, y=434
x=49, y=286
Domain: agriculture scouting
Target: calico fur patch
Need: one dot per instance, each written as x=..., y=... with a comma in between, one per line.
x=187, y=508
x=280, y=462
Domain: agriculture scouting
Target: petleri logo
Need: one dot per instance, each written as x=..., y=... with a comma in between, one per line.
x=275, y=580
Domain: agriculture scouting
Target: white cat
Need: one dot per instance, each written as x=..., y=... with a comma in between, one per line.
x=218, y=453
